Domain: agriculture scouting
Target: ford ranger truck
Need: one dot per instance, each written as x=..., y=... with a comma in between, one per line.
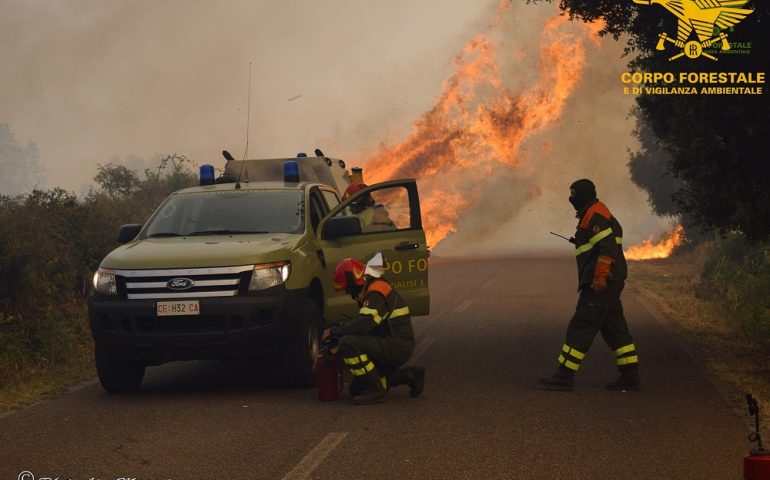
x=243, y=268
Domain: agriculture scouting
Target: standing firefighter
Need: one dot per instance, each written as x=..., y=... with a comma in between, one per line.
x=378, y=340
x=373, y=216
x=601, y=276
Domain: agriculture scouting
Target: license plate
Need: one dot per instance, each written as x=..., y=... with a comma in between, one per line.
x=178, y=307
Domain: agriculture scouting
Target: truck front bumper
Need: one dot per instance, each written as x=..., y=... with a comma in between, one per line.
x=242, y=326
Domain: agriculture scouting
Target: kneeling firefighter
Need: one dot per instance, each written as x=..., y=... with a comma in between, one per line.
x=378, y=340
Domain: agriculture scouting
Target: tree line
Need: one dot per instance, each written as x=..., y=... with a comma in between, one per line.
x=51, y=242
x=703, y=158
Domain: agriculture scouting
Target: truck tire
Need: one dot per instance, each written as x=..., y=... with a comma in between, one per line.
x=117, y=375
x=299, y=359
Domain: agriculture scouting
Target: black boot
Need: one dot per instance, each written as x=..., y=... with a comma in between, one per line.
x=356, y=387
x=563, y=379
x=627, y=380
x=374, y=390
x=417, y=383
x=413, y=377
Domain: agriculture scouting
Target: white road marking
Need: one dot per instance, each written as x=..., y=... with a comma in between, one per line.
x=315, y=456
x=465, y=304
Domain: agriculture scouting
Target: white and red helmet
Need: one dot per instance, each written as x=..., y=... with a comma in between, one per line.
x=347, y=273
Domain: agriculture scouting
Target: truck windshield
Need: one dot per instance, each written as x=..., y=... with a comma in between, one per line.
x=228, y=212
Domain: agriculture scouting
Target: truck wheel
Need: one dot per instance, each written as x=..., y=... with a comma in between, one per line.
x=299, y=360
x=117, y=375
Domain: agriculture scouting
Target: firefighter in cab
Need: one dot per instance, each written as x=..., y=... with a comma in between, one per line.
x=378, y=340
x=602, y=272
x=373, y=216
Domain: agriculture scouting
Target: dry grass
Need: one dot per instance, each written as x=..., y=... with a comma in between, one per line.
x=35, y=384
x=729, y=356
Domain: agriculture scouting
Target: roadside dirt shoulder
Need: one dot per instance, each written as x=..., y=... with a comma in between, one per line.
x=733, y=360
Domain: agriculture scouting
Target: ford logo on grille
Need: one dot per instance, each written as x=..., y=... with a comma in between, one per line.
x=180, y=283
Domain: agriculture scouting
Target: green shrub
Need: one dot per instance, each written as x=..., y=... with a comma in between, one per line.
x=737, y=278
x=50, y=244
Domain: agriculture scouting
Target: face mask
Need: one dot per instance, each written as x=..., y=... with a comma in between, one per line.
x=582, y=193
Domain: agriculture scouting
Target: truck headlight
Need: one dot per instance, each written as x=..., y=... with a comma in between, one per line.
x=268, y=275
x=104, y=281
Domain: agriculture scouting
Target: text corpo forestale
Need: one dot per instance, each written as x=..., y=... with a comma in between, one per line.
x=693, y=78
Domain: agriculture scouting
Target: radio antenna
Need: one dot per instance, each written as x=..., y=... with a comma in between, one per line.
x=570, y=240
x=248, y=122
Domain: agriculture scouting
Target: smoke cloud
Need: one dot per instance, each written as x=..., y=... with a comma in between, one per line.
x=89, y=80
x=92, y=82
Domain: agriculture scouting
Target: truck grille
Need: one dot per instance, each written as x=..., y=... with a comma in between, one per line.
x=182, y=283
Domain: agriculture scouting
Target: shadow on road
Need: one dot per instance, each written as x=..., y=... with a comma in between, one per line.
x=211, y=377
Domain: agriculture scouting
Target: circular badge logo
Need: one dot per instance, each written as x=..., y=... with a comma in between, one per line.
x=693, y=49
x=180, y=284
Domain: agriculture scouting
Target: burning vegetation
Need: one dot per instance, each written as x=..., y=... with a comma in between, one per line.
x=478, y=124
x=648, y=250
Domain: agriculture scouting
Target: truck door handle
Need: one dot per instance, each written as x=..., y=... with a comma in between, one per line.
x=407, y=246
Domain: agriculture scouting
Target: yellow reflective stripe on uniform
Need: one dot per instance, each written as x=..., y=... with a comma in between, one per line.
x=384, y=382
x=593, y=241
x=628, y=348
x=600, y=236
x=619, y=240
x=583, y=248
x=362, y=371
x=355, y=360
x=575, y=353
x=569, y=364
x=627, y=360
x=370, y=311
x=399, y=312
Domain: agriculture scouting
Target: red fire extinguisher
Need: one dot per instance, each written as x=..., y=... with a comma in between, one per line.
x=756, y=465
x=330, y=379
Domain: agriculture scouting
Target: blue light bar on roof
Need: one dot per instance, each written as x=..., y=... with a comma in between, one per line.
x=207, y=175
x=291, y=171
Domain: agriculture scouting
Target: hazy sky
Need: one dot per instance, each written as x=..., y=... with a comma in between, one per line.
x=98, y=81
x=90, y=80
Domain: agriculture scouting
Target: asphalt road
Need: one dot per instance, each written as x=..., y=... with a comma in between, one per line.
x=497, y=326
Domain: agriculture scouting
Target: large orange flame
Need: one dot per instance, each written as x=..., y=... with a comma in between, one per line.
x=477, y=124
x=648, y=250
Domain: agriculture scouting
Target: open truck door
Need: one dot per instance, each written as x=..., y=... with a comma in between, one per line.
x=380, y=218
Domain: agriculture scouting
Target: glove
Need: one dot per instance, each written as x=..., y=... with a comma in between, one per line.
x=601, y=272
x=335, y=331
x=330, y=343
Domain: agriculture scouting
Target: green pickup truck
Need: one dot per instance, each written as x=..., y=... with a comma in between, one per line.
x=241, y=267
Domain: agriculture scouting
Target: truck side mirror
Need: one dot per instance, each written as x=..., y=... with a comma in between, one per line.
x=128, y=232
x=338, y=227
